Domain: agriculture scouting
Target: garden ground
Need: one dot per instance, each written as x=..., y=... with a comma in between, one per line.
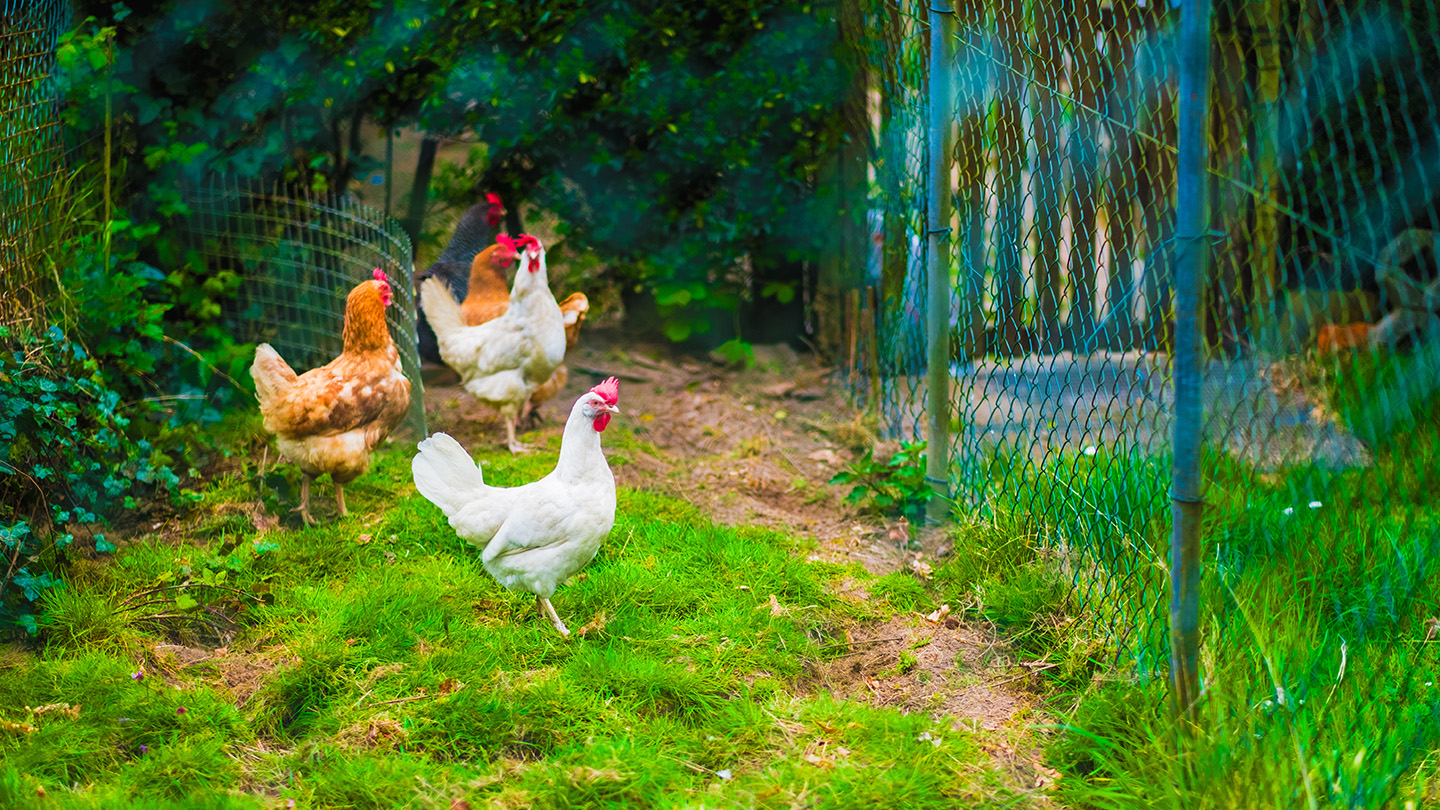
x=742, y=639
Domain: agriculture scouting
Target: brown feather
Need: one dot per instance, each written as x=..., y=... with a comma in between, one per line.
x=489, y=294
x=574, y=308
x=362, y=389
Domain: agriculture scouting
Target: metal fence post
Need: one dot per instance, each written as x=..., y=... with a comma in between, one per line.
x=1193, y=250
x=937, y=316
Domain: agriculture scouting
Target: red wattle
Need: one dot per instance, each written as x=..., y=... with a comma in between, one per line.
x=601, y=422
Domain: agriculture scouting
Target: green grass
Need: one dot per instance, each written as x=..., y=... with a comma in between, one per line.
x=374, y=663
x=1319, y=681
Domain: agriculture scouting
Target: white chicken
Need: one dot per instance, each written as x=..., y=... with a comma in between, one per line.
x=538, y=535
x=501, y=362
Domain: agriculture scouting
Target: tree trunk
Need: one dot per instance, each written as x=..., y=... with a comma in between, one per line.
x=1265, y=121
x=1227, y=286
x=1120, y=199
x=846, y=180
x=1009, y=235
x=971, y=164
x=1084, y=162
x=420, y=191
x=1048, y=176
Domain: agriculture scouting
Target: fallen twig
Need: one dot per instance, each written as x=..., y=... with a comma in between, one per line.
x=1028, y=671
x=623, y=375
x=862, y=641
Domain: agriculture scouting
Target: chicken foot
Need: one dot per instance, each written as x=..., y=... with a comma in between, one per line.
x=548, y=611
x=510, y=442
x=304, y=507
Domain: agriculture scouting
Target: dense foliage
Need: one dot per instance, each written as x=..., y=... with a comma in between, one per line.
x=678, y=140
x=65, y=452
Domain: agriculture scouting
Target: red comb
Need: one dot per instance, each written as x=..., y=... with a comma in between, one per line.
x=504, y=239
x=493, y=199
x=526, y=240
x=608, y=391
x=380, y=276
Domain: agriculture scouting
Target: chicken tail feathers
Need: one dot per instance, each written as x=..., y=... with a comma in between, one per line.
x=441, y=309
x=273, y=376
x=445, y=474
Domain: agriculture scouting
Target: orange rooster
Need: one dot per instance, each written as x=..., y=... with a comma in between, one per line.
x=329, y=419
x=488, y=297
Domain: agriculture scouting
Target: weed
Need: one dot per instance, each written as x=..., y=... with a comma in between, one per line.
x=895, y=488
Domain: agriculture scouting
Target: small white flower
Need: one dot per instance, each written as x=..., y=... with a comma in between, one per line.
x=1316, y=504
x=725, y=774
x=1289, y=510
x=924, y=735
x=1090, y=450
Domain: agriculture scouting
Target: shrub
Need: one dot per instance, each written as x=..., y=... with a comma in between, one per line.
x=65, y=462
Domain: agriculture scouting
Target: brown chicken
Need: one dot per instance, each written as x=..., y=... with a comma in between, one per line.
x=329, y=419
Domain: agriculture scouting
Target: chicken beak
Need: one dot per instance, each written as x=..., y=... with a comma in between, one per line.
x=612, y=409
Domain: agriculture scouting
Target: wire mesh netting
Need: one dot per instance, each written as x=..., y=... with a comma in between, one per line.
x=31, y=146
x=300, y=255
x=1321, y=324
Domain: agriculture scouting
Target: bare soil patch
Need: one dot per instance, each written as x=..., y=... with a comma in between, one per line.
x=753, y=446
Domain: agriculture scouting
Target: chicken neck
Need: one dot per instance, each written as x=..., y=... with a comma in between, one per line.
x=581, y=458
x=365, y=329
x=485, y=275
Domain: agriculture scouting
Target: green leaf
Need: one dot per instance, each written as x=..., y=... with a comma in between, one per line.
x=677, y=329
x=781, y=291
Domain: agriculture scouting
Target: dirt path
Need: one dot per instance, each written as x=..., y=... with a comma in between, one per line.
x=759, y=446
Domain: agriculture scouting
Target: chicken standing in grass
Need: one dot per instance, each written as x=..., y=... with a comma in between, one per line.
x=538, y=535
x=502, y=362
x=329, y=419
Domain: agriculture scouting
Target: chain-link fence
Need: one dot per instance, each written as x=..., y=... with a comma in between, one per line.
x=299, y=256
x=1320, y=322
x=32, y=167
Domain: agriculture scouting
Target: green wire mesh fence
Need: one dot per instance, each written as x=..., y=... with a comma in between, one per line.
x=1320, y=322
x=32, y=167
x=300, y=255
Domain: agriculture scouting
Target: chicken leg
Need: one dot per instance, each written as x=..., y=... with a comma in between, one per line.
x=548, y=611
x=304, y=507
x=340, y=497
x=510, y=442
